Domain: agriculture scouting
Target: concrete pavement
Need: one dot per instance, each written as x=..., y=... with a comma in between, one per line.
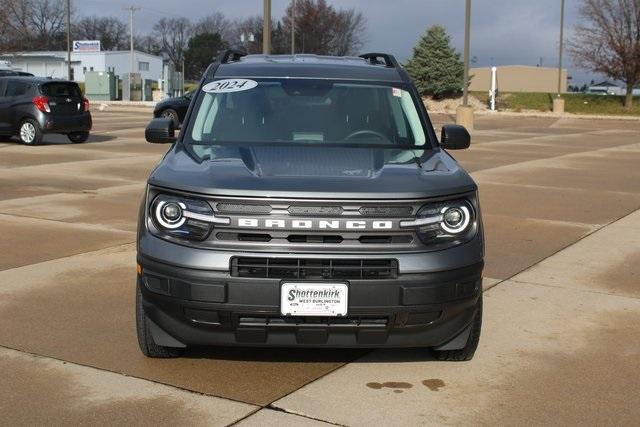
x=553, y=352
x=558, y=198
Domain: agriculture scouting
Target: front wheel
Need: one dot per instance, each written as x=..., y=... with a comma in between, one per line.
x=30, y=132
x=469, y=349
x=147, y=345
x=78, y=137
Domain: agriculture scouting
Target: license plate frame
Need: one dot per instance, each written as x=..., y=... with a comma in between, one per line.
x=319, y=305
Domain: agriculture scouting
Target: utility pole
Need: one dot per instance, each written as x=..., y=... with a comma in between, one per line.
x=293, y=28
x=558, y=102
x=131, y=10
x=266, y=28
x=561, y=46
x=68, y=7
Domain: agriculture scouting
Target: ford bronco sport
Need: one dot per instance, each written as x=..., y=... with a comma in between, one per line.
x=308, y=202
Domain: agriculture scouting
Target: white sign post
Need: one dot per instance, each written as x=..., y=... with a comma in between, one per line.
x=494, y=88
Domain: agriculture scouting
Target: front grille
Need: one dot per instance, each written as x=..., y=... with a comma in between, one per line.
x=299, y=268
x=244, y=237
x=386, y=211
x=316, y=210
x=232, y=208
x=313, y=322
x=313, y=238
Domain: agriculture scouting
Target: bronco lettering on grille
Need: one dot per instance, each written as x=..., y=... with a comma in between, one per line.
x=307, y=224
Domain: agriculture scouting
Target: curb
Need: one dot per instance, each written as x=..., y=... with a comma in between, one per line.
x=543, y=115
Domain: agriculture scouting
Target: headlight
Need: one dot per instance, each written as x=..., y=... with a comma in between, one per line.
x=450, y=221
x=184, y=218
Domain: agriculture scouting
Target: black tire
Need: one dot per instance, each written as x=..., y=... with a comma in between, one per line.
x=78, y=137
x=29, y=132
x=467, y=352
x=148, y=347
x=172, y=114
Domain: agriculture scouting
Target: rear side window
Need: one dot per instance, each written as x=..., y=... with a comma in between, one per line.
x=17, y=88
x=67, y=90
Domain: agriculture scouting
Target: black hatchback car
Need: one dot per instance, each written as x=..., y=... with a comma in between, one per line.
x=33, y=106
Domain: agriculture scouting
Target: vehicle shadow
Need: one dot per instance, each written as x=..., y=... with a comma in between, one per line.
x=60, y=140
x=310, y=355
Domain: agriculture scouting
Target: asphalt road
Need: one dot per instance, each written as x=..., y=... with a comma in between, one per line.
x=560, y=342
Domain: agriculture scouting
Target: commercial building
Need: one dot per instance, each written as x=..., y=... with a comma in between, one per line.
x=519, y=78
x=54, y=63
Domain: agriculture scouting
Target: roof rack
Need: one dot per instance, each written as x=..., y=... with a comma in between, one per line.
x=230, y=55
x=374, y=59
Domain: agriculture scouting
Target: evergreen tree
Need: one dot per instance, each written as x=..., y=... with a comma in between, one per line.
x=201, y=50
x=436, y=67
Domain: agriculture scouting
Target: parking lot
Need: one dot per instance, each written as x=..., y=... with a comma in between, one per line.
x=561, y=334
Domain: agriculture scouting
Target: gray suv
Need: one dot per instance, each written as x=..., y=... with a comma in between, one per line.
x=308, y=202
x=31, y=107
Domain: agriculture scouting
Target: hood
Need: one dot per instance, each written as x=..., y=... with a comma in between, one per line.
x=311, y=172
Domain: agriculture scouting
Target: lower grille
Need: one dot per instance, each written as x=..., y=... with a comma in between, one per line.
x=313, y=322
x=298, y=268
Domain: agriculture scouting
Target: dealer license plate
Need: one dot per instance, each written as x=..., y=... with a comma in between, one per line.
x=314, y=299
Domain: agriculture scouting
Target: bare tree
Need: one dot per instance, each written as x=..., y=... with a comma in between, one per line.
x=248, y=26
x=608, y=41
x=47, y=18
x=112, y=32
x=148, y=43
x=173, y=35
x=5, y=31
x=322, y=29
x=349, y=32
x=214, y=23
x=33, y=24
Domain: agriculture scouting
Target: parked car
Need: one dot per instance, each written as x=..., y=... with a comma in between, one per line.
x=7, y=73
x=173, y=108
x=308, y=202
x=31, y=107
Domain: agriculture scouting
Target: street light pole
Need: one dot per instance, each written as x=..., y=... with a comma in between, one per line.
x=266, y=28
x=293, y=28
x=467, y=37
x=561, y=48
x=68, y=11
x=558, y=102
x=464, y=112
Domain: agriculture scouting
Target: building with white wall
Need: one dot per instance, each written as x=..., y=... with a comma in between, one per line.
x=54, y=63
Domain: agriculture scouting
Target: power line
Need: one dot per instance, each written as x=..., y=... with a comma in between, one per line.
x=149, y=9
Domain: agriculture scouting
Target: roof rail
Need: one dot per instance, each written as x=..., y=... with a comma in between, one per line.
x=230, y=55
x=374, y=59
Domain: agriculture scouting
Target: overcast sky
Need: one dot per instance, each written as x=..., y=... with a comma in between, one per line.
x=503, y=31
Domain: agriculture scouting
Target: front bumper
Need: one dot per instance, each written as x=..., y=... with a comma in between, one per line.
x=191, y=306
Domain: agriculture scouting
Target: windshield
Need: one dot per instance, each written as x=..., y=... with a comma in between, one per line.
x=305, y=111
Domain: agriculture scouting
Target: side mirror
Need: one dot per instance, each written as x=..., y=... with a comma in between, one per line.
x=160, y=131
x=454, y=137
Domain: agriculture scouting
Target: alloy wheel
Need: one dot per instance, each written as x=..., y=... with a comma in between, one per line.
x=27, y=132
